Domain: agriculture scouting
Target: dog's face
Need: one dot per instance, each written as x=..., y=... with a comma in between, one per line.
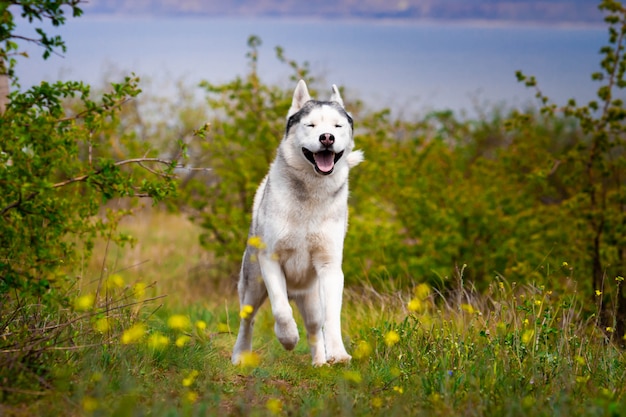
x=320, y=132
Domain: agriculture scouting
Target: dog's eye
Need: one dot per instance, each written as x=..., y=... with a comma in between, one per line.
x=338, y=126
x=310, y=125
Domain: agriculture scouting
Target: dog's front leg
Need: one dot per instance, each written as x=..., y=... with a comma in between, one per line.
x=285, y=326
x=331, y=287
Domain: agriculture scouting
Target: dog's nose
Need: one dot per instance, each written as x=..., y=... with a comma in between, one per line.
x=327, y=139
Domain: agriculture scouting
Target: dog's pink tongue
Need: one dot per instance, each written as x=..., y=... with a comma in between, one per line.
x=324, y=160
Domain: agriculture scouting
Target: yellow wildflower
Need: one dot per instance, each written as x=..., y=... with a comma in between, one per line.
x=246, y=311
x=102, y=325
x=527, y=336
x=582, y=379
x=223, y=328
x=398, y=389
x=607, y=393
x=179, y=322
x=191, y=396
x=115, y=281
x=158, y=341
x=362, y=350
x=84, y=302
x=90, y=404
x=274, y=406
x=598, y=293
x=201, y=325
x=96, y=377
x=416, y=305
x=422, y=291
x=189, y=380
x=528, y=401
x=256, y=242
x=352, y=376
x=133, y=334
x=139, y=290
x=435, y=398
x=182, y=340
x=468, y=308
x=391, y=338
x=249, y=360
x=377, y=402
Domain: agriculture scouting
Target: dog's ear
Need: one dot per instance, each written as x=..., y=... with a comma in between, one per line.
x=300, y=96
x=336, y=96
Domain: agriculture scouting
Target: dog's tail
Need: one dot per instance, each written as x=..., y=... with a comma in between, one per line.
x=355, y=158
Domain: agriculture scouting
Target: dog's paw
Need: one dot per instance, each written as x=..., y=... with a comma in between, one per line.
x=339, y=358
x=236, y=358
x=319, y=362
x=287, y=333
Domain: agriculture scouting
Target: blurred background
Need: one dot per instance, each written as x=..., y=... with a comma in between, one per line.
x=409, y=55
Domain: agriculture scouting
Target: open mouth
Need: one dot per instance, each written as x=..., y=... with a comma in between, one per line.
x=324, y=161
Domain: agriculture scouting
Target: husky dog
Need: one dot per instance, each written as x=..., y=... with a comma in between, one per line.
x=299, y=221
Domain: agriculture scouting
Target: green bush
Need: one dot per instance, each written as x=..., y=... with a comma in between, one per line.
x=64, y=154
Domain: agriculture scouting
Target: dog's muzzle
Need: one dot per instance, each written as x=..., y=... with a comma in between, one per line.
x=324, y=161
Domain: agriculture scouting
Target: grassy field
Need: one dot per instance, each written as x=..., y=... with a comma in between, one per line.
x=514, y=351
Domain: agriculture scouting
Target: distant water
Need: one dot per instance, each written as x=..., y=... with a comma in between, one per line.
x=411, y=67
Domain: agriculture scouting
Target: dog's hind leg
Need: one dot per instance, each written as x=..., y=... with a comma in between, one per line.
x=252, y=294
x=310, y=307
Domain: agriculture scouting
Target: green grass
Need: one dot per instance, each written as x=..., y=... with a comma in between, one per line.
x=513, y=351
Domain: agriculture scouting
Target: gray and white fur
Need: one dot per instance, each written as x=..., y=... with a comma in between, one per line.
x=300, y=214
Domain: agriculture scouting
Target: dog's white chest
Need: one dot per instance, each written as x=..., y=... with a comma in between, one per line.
x=300, y=254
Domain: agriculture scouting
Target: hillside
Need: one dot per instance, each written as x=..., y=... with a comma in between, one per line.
x=540, y=11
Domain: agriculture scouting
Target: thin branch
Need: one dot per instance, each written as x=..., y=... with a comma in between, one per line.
x=16, y=203
x=119, y=163
x=37, y=42
x=155, y=172
x=139, y=161
x=82, y=113
x=80, y=178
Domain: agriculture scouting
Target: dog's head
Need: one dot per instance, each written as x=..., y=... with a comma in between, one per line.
x=321, y=132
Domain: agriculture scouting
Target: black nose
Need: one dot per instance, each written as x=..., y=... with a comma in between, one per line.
x=327, y=139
